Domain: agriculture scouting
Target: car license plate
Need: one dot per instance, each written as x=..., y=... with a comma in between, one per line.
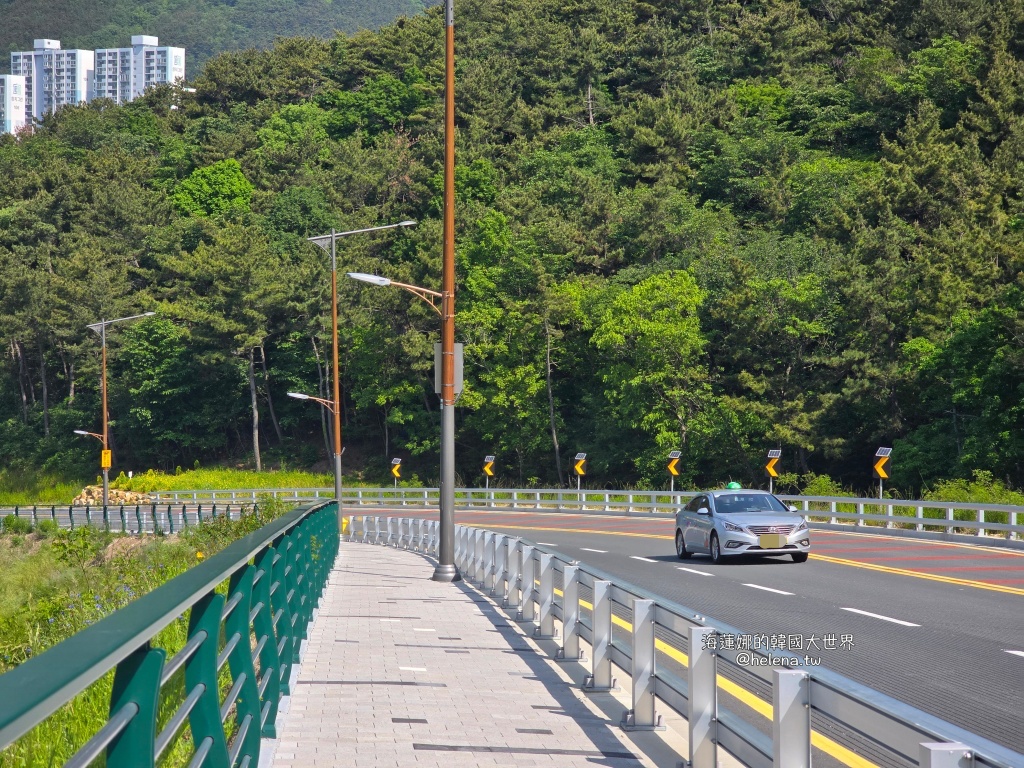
x=771, y=541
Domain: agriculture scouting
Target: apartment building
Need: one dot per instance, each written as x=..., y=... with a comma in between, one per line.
x=12, y=103
x=122, y=74
x=53, y=77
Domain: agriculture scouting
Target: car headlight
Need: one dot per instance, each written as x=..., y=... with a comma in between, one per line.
x=802, y=526
x=735, y=528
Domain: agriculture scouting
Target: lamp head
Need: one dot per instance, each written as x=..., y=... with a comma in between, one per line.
x=407, y=223
x=366, y=278
x=298, y=396
x=80, y=432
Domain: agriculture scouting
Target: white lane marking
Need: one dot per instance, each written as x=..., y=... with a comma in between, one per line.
x=546, y=544
x=693, y=570
x=417, y=629
x=396, y=620
x=642, y=559
x=768, y=589
x=413, y=669
x=883, y=618
x=599, y=551
x=1015, y=653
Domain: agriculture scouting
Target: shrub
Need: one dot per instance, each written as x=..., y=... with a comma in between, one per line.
x=14, y=524
x=48, y=528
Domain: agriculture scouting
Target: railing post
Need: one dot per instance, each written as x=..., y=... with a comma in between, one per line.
x=512, y=590
x=243, y=674
x=570, y=650
x=832, y=509
x=642, y=716
x=500, y=563
x=489, y=538
x=136, y=684
x=263, y=628
x=791, y=719
x=1013, y=521
x=526, y=609
x=702, y=704
x=478, y=556
x=945, y=755
x=981, y=522
x=920, y=516
x=546, y=628
x=600, y=677
x=201, y=669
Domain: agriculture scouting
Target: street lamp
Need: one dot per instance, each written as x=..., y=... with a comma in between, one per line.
x=445, y=570
x=105, y=457
x=328, y=243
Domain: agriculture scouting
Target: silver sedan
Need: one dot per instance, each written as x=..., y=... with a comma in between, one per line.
x=740, y=522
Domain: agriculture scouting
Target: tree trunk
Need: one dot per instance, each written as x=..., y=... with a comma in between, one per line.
x=46, y=398
x=326, y=425
x=270, y=400
x=551, y=406
x=590, y=103
x=16, y=352
x=27, y=378
x=255, y=412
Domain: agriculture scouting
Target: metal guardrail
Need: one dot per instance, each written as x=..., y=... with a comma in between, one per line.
x=128, y=518
x=542, y=586
x=943, y=516
x=263, y=619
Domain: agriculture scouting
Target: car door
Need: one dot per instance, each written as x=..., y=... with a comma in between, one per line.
x=695, y=532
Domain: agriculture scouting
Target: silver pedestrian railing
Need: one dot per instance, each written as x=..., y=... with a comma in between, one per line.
x=128, y=518
x=947, y=517
x=677, y=658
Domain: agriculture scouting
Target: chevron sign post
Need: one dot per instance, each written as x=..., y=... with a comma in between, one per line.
x=773, y=459
x=579, y=466
x=882, y=467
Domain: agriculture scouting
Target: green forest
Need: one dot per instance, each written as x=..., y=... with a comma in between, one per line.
x=713, y=227
x=203, y=27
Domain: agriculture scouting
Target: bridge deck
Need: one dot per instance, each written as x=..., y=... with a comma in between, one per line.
x=401, y=670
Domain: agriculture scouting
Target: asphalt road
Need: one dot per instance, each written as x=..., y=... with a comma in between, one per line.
x=939, y=626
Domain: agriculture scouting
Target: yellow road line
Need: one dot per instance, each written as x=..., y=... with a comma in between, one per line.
x=920, y=575
x=930, y=542
x=751, y=700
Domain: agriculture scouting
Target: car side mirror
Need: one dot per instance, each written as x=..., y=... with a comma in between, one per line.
x=793, y=509
x=703, y=511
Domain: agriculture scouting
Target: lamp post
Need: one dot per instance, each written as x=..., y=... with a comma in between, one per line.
x=328, y=243
x=105, y=457
x=445, y=570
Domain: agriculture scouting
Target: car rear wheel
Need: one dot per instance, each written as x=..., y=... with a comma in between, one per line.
x=716, y=549
x=799, y=557
x=681, y=552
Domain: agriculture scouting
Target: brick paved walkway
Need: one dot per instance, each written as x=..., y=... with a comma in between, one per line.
x=400, y=670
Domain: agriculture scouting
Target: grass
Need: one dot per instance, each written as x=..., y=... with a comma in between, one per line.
x=56, y=583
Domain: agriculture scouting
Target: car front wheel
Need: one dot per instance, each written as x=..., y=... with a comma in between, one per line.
x=799, y=557
x=716, y=550
x=681, y=552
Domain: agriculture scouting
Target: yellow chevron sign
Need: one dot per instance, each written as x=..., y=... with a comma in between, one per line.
x=489, y=466
x=880, y=467
x=673, y=463
x=581, y=464
x=773, y=459
x=396, y=467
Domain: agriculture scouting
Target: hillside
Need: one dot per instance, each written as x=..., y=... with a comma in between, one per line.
x=710, y=227
x=203, y=27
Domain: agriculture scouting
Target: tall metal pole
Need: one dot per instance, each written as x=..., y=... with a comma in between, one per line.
x=446, y=570
x=336, y=383
x=103, y=388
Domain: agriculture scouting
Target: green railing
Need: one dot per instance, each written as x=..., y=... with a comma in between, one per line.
x=274, y=578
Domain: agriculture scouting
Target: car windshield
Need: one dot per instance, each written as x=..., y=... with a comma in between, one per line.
x=728, y=503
